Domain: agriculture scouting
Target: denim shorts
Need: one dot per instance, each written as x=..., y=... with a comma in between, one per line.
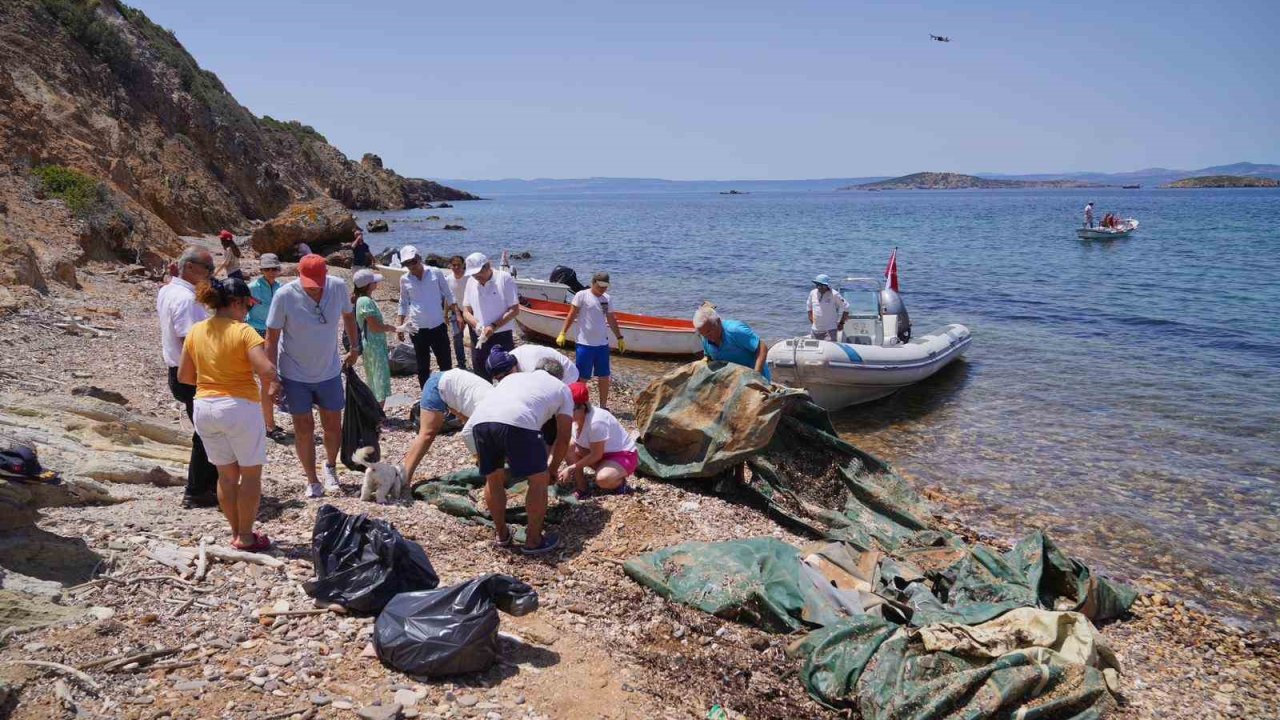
x=431, y=399
x=301, y=396
x=499, y=444
x=592, y=361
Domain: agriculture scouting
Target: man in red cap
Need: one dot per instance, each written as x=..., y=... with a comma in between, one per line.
x=304, y=325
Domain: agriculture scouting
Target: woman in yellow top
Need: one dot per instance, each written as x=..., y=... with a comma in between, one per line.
x=220, y=357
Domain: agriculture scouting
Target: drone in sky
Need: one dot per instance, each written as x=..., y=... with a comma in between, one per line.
x=939, y=38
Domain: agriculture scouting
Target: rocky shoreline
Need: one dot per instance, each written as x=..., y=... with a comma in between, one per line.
x=235, y=644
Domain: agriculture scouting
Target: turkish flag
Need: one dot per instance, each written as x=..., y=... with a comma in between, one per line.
x=891, y=272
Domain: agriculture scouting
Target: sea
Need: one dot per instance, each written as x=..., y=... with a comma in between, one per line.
x=1124, y=395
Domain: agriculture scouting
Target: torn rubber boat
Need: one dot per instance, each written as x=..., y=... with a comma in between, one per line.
x=876, y=356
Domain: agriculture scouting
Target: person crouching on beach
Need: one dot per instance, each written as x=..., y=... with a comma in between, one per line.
x=489, y=306
x=506, y=431
x=730, y=341
x=458, y=391
x=593, y=310
x=600, y=443
x=220, y=356
x=306, y=318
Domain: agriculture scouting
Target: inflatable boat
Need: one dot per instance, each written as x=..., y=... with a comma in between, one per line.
x=876, y=355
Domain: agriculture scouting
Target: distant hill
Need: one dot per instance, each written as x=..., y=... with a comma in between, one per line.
x=605, y=185
x=1150, y=176
x=957, y=181
x=1225, y=181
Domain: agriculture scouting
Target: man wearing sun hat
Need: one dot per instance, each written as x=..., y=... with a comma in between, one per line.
x=264, y=289
x=828, y=310
x=489, y=306
x=304, y=326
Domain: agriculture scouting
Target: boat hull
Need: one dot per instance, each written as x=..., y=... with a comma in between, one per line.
x=645, y=335
x=542, y=290
x=838, y=375
x=1100, y=233
x=390, y=275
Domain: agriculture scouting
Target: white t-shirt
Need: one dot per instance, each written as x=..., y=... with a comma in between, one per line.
x=602, y=425
x=524, y=400
x=463, y=390
x=457, y=285
x=827, y=309
x=593, y=326
x=177, y=310
x=490, y=301
x=528, y=357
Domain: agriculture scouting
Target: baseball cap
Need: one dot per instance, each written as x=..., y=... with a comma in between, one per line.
x=407, y=253
x=500, y=361
x=823, y=279
x=601, y=278
x=364, y=277
x=581, y=393
x=226, y=235
x=312, y=270
x=475, y=263
x=236, y=288
x=269, y=261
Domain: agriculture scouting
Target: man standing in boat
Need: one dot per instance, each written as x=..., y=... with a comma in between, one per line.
x=593, y=310
x=828, y=310
x=1088, y=215
x=730, y=341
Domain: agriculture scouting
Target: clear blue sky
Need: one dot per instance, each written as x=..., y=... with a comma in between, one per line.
x=749, y=89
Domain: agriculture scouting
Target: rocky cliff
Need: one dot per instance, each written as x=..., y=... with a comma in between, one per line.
x=94, y=86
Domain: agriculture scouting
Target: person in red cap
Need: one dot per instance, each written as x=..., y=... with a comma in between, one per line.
x=230, y=265
x=600, y=443
x=304, y=327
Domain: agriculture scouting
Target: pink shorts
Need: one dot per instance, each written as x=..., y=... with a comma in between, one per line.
x=628, y=460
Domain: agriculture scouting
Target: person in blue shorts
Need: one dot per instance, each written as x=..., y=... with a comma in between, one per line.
x=457, y=391
x=730, y=341
x=593, y=309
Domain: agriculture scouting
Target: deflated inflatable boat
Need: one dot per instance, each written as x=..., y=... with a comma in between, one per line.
x=877, y=356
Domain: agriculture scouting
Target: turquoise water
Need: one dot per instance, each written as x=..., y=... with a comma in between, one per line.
x=1125, y=394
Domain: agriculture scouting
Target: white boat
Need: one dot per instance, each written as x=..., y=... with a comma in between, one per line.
x=542, y=290
x=645, y=334
x=1126, y=227
x=390, y=275
x=876, y=355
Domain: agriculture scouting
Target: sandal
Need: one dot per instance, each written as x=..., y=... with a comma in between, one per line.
x=261, y=543
x=550, y=541
x=505, y=544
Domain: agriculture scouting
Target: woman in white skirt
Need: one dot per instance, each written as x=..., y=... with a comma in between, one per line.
x=220, y=356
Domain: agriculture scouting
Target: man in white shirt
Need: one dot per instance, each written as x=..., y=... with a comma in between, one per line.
x=489, y=306
x=1088, y=215
x=426, y=299
x=593, y=310
x=458, y=284
x=828, y=310
x=528, y=356
x=456, y=391
x=177, y=310
x=506, y=431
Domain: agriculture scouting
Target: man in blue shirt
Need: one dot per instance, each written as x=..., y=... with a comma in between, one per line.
x=730, y=341
x=263, y=288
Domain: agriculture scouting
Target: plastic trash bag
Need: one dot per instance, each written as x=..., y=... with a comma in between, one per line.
x=361, y=421
x=452, y=630
x=361, y=562
x=402, y=361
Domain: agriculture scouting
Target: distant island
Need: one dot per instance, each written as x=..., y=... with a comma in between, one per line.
x=1225, y=181
x=957, y=181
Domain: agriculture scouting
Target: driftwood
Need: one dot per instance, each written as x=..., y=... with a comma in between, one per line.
x=233, y=555
x=294, y=613
x=171, y=556
x=114, y=662
x=202, y=562
x=63, y=694
x=65, y=669
x=186, y=561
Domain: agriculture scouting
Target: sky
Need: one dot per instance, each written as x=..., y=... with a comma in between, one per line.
x=753, y=90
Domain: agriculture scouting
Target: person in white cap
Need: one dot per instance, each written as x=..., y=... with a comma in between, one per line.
x=828, y=310
x=528, y=356
x=373, y=330
x=425, y=301
x=489, y=307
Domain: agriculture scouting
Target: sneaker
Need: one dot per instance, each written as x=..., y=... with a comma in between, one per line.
x=331, y=478
x=314, y=490
x=550, y=541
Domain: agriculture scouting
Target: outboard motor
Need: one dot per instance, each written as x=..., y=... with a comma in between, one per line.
x=566, y=276
x=893, y=313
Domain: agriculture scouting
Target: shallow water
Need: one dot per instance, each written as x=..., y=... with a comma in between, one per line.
x=1125, y=394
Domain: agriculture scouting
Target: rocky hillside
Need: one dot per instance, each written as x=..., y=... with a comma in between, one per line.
x=1225, y=181
x=957, y=181
x=94, y=88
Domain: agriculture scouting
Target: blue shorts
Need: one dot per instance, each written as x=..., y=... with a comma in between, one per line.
x=301, y=396
x=499, y=444
x=431, y=399
x=592, y=361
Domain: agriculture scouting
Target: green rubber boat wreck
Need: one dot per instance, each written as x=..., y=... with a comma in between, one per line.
x=893, y=616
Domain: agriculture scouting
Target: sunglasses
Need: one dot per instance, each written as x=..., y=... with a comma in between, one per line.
x=320, y=314
x=412, y=261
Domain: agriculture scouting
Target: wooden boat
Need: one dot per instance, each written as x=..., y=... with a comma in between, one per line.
x=532, y=289
x=1098, y=232
x=645, y=334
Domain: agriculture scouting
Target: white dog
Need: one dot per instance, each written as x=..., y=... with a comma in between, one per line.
x=381, y=480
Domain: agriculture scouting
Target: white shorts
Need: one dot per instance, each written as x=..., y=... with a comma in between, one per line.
x=232, y=430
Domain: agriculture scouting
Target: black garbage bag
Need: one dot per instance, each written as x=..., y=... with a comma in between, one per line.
x=566, y=276
x=362, y=562
x=361, y=421
x=402, y=360
x=452, y=630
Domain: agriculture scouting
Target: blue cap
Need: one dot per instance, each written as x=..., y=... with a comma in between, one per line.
x=823, y=279
x=500, y=361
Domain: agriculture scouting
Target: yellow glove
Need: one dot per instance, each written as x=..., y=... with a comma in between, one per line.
x=561, y=340
x=622, y=346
